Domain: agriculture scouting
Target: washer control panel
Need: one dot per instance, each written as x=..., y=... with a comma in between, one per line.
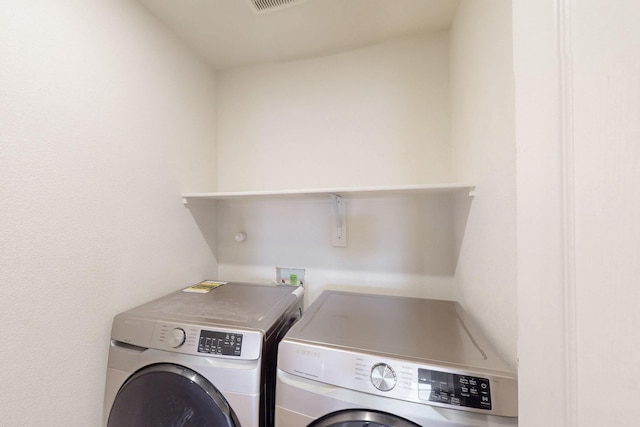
x=225, y=343
x=405, y=380
x=210, y=342
x=453, y=389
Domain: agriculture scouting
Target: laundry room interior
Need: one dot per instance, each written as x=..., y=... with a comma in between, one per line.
x=135, y=162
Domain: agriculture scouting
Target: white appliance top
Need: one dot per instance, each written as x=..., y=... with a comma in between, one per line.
x=415, y=328
x=233, y=304
x=230, y=321
x=413, y=349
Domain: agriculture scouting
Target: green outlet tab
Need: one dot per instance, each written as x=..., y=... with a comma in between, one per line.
x=290, y=276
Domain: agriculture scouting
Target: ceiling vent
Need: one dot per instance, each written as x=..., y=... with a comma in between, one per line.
x=265, y=6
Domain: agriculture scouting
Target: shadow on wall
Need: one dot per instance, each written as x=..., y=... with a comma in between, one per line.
x=204, y=213
x=409, y=235
x=461, y=206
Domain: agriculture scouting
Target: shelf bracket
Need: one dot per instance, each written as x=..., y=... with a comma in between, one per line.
x=339, y=229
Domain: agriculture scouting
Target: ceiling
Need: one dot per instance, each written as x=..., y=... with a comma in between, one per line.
x=230, y=33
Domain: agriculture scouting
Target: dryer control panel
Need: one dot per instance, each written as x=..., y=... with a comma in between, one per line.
x=453, y=389
x=225, y=343
x=490, y=393
x=219, y=342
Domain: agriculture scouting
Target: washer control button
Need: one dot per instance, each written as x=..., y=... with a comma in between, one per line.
x=177, y=337
x=383, y=377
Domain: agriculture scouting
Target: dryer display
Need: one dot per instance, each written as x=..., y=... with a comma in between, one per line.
x=224, y=343
x=453, y=389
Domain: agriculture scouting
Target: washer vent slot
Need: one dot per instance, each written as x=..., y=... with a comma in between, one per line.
x=264, y=6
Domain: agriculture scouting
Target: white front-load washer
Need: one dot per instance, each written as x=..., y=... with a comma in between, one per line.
x=356, y=360
x=202, y=356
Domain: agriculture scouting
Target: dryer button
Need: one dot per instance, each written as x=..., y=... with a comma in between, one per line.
x=383, y=377
x=177, y=337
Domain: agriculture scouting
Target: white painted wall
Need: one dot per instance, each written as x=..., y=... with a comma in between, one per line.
x=577, y=64
x=395, y=245
x=542, y=295
x=605, y=47
x=104, y=120
x=372, y=116
x=483, y=147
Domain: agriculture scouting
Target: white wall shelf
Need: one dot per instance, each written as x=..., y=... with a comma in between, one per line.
x=446, y=188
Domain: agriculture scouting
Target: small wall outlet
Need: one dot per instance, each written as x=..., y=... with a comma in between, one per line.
x=290, y=276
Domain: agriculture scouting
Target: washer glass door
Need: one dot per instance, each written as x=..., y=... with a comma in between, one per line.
x=361, y=418
x=170, y=395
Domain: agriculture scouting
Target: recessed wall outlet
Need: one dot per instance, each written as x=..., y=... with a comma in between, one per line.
x=290, y=276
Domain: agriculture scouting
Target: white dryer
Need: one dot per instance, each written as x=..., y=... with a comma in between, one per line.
x=359, y=359
x=199, y=359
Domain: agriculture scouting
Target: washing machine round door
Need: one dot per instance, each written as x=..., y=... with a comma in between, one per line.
x=170, y=395
x=361, y=418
